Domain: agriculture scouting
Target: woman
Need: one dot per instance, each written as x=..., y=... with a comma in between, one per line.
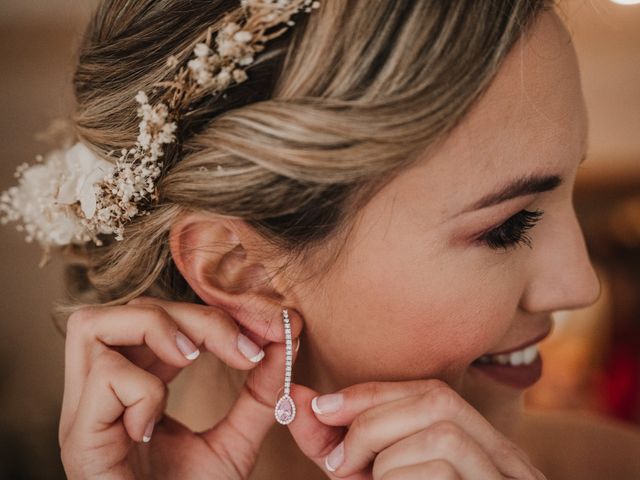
x=396, y=174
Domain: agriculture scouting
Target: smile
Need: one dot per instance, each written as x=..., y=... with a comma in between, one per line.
x=525, y=356
x=518, y=376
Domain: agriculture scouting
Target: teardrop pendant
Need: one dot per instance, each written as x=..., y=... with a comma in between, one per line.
x=285, y=410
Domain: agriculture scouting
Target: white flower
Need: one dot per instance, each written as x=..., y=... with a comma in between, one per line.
x=46, y=190
x=246, y=60
x=228, y=48
x=230, y=28
x=83, y=170
x=224, y=77
x=141, y=97
x=201, y=50
x=242, y=36
x=172, y=61
x=200, y=70
x=239, y=75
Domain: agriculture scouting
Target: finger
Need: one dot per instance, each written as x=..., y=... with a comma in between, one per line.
x=440, y=441
x=343, y=406
x=385, y=424
x=141, y=356
x=252, y=415
x=355, y=399
x=259, y=315
x=258, y=321
x=434, y=469
x=91, y=331
x=314, y=438
x=171, y=335
x=116, y=388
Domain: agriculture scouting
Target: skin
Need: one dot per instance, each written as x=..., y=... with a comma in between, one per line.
x=412, y=297
x=393, y=325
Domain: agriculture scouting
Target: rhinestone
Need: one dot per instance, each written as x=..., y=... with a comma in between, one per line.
x=285, y=410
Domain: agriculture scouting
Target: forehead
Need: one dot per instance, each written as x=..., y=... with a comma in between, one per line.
x=531, y=119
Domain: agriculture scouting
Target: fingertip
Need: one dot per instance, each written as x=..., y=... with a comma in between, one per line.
x=186, y=346
x=257, y=357
x=314, y=405
x=146, y=436
x=249, y=349
x=193, y=355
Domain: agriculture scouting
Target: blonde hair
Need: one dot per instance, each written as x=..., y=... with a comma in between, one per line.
x=332, y=111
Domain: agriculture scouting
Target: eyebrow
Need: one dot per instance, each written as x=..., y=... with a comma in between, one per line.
x=525, y=185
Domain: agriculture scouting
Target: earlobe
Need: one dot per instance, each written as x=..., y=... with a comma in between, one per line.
x=211, y=257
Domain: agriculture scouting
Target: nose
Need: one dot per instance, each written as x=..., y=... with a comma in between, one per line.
x=562, y=275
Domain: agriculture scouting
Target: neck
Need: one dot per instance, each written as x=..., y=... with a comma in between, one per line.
x=501, y=405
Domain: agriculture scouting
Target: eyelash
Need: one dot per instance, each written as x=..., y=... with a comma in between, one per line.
x=512, y=232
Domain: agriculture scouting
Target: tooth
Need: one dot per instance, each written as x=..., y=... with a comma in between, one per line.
x=502, y=359
x=530, y=354
x=515, y=358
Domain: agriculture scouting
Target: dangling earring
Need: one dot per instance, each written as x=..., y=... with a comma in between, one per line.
x=285, y=410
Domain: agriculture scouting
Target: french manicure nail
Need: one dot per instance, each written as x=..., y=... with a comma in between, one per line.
x=187, y=347
x=329, y=403
x=335, y=458
x=148, y=431
x=249, y=349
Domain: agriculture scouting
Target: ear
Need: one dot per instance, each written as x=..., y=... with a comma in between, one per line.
x=228, y=265
x=220, y=258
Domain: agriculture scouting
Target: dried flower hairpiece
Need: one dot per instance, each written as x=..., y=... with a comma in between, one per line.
x=72, y=195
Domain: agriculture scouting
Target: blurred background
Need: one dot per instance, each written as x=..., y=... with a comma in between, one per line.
x=592, y=358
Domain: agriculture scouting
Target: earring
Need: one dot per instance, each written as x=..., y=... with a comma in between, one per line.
x=285, y=410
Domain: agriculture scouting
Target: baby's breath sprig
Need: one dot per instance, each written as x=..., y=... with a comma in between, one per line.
x=71, y=195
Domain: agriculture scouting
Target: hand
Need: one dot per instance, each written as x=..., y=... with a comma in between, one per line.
x=118, y=361
x=406, y=431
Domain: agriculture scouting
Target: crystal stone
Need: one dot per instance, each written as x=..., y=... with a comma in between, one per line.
x=285, y=410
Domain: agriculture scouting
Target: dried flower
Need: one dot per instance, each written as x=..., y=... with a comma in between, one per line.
x=49, y=193
x=72, y=195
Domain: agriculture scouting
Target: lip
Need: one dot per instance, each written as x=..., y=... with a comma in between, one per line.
x=534, y=340
x=520, y=377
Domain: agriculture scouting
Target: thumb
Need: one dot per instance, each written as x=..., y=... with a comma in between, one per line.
x=314, y=438
x=242, y=431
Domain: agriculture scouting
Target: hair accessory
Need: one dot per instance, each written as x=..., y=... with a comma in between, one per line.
x=72, y=195
x=285, y=410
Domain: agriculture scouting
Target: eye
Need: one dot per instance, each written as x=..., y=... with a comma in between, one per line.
x=513, y=231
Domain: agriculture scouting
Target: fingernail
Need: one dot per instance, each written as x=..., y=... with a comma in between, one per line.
x=327, y=403
x=249, y=349
x=148, y=431
x=185, y=345
x=297, y=343
x=335, y=458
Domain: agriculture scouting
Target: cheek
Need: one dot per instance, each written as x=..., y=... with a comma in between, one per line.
x=405, y=317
